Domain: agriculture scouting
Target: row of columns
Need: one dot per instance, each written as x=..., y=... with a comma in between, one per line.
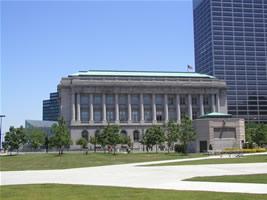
x=215, y=107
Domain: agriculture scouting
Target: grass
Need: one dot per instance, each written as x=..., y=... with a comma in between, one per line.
x=246, y=159
x=78, y=192
x=251, y=178
x=43, y=161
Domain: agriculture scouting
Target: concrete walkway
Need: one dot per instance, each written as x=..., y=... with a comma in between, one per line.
x=136, y=176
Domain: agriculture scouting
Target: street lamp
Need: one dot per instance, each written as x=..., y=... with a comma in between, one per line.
x=1, y=117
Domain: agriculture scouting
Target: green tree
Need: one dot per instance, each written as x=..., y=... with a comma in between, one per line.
x=154, y=136
x=83, y=143
x=101, y=138
x=111, y=133
x=61, y=137
x=35, y=137
x=14, y=139
x=171, y=136
x=256, y=134
x=250, y=129
x=260, y=135
x=93, y=140
x=186, y=132
x=126, y=140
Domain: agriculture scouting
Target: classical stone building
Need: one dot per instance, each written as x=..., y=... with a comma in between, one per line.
x=136, y=100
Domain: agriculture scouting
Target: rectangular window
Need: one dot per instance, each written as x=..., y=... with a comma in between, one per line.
x=123, y=115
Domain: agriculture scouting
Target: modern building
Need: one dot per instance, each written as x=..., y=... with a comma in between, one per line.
x=231, y=44
x=51, y=107
x=136, y=100
x=45, y=126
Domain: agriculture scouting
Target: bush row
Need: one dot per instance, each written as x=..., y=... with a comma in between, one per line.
x=236, y=150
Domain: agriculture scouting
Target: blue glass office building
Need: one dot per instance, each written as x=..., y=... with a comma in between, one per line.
x=231, y=44
x=51, y=107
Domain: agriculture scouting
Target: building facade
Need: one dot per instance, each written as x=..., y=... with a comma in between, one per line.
x=51, y=107
x=136, y=100
x=231, y=44
x=216, y=132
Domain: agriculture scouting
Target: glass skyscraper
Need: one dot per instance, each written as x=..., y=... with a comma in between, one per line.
x=51, y=107
x=231, y=44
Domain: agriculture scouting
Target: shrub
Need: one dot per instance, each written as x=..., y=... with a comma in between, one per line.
x=179, y=148
x=237, y=150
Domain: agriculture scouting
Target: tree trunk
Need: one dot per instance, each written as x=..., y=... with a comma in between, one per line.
x=185, y=145
x=156, y=148
x=168, y=149
x=114, y=149
x=94, y=147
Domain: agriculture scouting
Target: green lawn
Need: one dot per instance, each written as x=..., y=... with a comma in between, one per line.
x=246, y=159
x=78, y=192
x=74, y=160
x=251, y=178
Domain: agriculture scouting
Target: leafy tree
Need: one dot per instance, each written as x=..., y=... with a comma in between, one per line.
x=260, y=135
x=101, y=139
x=111, y=133
x=35, y=137
x=186, y=132
x=46, y=143
x=250, y=129
x=61, y=137
x=14, y=139
x=154, y=136
x=126, y=140
x=171, y=136
x=94, y=140
x=83, y=143
x=256, y=134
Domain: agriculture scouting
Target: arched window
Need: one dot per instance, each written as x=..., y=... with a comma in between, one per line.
x=85, y=134
x=136, y=136
x=124, y=133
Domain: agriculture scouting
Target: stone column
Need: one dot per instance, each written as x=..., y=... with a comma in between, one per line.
x=129, y=109
x=201, y=102
x=178, y=109
x=91, y=109
x=73, y=107
x=78, y=107
x=117, y=116
x=141, y=108
x=166, y=108
x=218, y=102
x=213, y=106
x=154, y=109
x=104, y=117
x=190, y=115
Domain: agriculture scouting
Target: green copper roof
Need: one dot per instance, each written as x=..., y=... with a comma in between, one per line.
x=140, y=74
x=216, y=115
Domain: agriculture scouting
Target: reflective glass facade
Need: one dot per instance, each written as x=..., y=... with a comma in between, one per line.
x=231, y=44
x=51, y=107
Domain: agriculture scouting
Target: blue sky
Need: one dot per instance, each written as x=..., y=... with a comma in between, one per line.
x=42, y=41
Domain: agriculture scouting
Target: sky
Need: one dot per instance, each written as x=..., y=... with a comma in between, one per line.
x=43, y=41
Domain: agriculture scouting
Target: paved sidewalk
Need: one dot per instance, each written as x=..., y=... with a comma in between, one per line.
x=157, y=177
